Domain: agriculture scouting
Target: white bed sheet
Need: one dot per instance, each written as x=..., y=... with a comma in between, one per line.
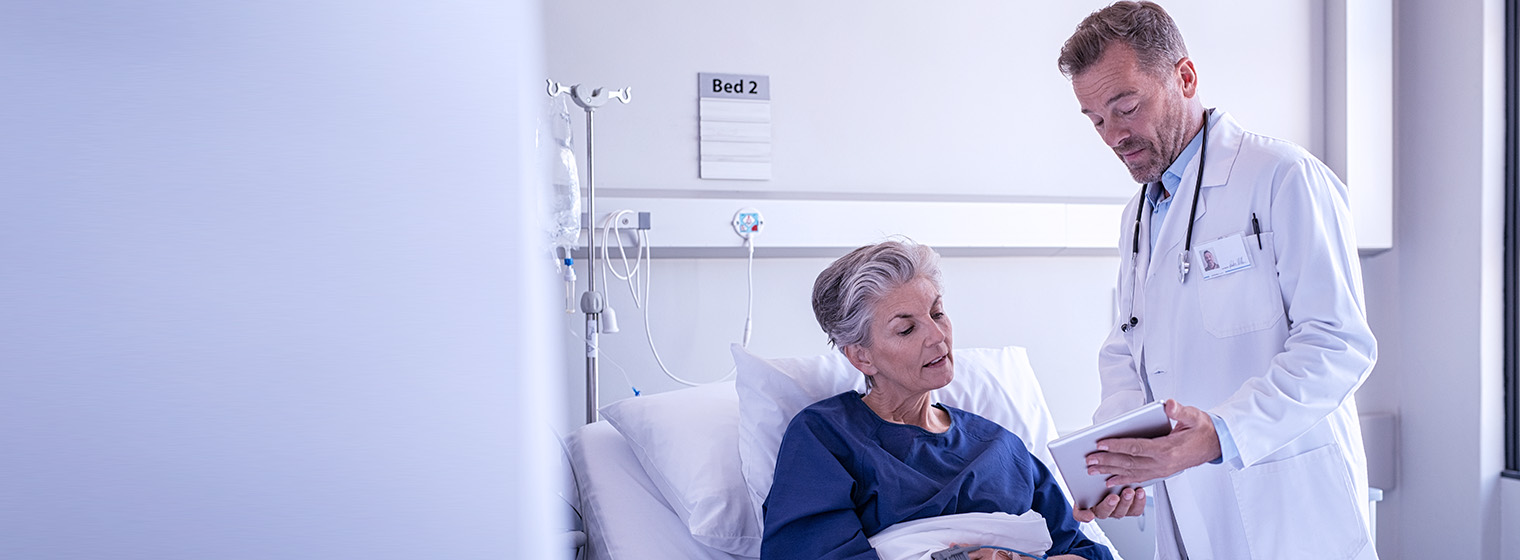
x=625, y=516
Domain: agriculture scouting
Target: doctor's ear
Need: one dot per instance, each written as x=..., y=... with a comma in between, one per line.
x=860, y=357
x=1187, y=76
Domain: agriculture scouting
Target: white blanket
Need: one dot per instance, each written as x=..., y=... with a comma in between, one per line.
x=917, y=539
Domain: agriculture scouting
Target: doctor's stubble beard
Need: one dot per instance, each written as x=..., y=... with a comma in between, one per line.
x=1149, y=169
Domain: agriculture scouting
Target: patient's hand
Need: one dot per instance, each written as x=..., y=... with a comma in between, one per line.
x=995, y=554
x=991, y=554
x=1128, y=503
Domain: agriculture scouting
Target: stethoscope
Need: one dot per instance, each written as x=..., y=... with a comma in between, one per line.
x=1187, y=244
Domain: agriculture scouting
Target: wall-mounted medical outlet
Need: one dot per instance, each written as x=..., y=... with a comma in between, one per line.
x=638, y=220
x=748, y=222
x=633, y=221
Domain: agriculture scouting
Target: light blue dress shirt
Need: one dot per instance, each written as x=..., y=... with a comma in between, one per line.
x=1171, y=180
x=1161, y=200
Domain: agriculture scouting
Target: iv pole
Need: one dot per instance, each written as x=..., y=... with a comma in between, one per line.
x=592, y=301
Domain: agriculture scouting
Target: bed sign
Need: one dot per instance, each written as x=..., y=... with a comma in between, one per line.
x=733, y=86
x=734, y=111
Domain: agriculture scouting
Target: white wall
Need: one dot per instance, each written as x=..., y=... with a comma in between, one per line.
x=1435, y=299
x=899, y=96
x=1059, y=308
x=894, y=101
x=260, y=282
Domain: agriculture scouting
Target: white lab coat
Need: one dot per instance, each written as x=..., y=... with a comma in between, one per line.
x=1276, y=351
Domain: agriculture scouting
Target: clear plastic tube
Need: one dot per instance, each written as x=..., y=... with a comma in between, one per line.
x=569, y=285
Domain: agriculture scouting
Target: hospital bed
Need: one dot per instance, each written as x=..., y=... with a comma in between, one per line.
x=663, y=478
x=625, y=517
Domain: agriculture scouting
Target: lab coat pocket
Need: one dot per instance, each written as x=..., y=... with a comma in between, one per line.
x=1244, y=301
x=1301, y=507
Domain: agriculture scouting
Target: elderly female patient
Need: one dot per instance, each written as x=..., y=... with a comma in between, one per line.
x=852, y=465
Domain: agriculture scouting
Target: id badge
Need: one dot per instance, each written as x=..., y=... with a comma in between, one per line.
x=1223, y=256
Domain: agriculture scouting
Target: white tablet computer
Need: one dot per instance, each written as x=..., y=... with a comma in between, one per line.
x=1070, y=451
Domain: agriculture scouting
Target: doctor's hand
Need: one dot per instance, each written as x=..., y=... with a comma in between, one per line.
x=1192, y=442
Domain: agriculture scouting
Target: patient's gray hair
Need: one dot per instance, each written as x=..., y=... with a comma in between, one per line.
x=1144, y=26
x=845, y=294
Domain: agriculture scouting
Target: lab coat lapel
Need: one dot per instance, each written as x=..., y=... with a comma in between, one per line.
x=1143, y=260
x=1137, y=292
x=1174, y=229
x=1225, y=138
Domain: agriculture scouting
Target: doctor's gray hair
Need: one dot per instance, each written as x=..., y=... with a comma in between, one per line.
x=845, y=294
x=1144, y=26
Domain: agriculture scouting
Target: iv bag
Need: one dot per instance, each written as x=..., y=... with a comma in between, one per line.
x=564, y=227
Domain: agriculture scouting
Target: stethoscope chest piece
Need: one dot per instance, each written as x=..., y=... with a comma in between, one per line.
x=1182, y=266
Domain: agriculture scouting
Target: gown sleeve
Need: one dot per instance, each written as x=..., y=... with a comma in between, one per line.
x=1065, y=533
x=810, y=513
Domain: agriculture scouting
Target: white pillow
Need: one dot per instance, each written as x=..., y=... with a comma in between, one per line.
x=688, y=443
x=995, y=383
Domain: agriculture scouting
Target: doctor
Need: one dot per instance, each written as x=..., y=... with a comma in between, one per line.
x=1256, y=358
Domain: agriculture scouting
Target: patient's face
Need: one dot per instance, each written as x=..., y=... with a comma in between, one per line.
x=910, y=340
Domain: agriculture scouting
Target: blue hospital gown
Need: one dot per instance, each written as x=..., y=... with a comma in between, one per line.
x=843, y=474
